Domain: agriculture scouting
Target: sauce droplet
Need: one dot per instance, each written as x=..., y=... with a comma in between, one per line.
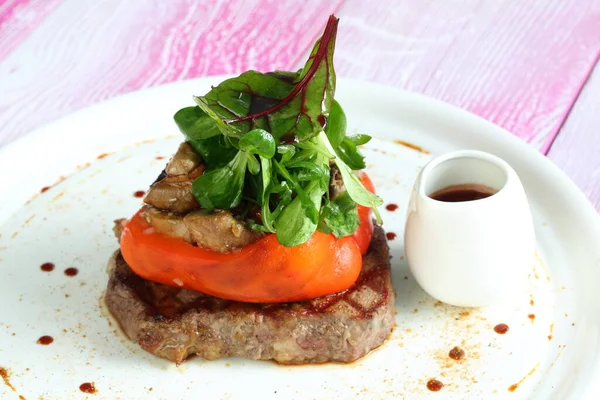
x=139, y=193
x=45, y=188
x=47, y=267
x=160, y=157
x=512, y=388
x=531, y=317
x=456, y=354
x=87, y=387
x=501, y=329
x=72, y=271
x=45, y=340
x=434, y=385
x=391, y=207
x=390, y=235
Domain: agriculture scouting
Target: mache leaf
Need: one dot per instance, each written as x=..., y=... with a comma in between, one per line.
x=215, y=151
x=341, y=216
x=297, y=222
x=222, y=187
x=359, y=138
x=336, y=124
x=258, y=141
x=195, y=124
x=354, y=187
x=350, y=154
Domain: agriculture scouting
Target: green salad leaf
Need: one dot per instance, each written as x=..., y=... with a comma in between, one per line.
x=195, y=124
x=258, y=141
x=355, y=188
x=216, y=151
x=291, y=106
x=341, y=216
x=222, y=187
x=346, y=147
x=269, y=140
x=298, y=221
x=336, y=124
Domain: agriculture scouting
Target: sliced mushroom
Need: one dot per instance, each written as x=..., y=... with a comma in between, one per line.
x=336, y=184
x=184, y=161
x=219, y=230
x=172, y=196
x=167, y=223
x=174, y=192
x=118, y=227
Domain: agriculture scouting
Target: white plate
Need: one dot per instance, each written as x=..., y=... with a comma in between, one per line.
x=553, y=355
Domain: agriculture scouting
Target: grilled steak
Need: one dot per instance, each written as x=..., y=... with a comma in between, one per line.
x=175, y=323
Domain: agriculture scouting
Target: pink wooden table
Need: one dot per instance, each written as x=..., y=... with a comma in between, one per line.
x=526, y=66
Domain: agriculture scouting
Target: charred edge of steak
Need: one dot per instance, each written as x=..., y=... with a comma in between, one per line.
x=175, y=323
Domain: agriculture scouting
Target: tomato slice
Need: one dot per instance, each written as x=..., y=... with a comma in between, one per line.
x=262, y=272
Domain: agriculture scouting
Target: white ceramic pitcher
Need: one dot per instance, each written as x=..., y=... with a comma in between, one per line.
x=470, y=253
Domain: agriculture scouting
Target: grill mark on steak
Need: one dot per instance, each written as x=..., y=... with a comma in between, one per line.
x=176, y=323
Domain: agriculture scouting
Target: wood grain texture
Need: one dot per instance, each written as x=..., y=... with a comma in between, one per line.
x=577, y=147
x=18, y=18
x=519, y=64
x=88, y=51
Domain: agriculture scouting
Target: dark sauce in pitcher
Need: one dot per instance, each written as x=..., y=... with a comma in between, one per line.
x=460, y=193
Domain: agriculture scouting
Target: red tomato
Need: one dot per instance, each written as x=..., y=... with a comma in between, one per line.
x=262, y=272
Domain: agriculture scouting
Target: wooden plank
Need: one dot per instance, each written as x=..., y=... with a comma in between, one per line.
x=85, y=52
x=18, y=18
x=519, y=64
x=577, y=148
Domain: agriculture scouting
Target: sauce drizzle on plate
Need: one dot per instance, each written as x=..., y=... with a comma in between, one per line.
x=434, y=385
x=47, y=267
x=501, y=329
x=456, y=353
x=45, y=340
x=391, y=207
x=88, y=387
